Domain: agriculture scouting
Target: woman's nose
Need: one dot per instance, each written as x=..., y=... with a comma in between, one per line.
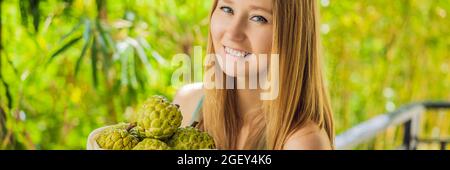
x=236, y=30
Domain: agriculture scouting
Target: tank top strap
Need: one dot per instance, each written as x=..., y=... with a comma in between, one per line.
x=196, y=115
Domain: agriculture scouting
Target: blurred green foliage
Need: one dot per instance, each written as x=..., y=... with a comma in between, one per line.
x=70, y=66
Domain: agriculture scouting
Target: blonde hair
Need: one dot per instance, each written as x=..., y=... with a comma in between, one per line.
x=302, y=96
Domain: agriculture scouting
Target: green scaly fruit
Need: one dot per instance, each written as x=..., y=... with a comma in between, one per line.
x=158, y=118
x=191, y=139
x=135, y=130
x=151, y=144
x=138, y=131
x=118, y=137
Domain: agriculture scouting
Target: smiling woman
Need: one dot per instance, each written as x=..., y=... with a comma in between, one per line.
x=104, y=58
x=301, y=116
x=241, y=29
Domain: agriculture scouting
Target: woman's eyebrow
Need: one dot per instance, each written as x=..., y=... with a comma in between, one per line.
x=255, y=7
x=228, y=1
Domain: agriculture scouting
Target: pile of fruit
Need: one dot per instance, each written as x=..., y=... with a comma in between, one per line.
x=157, y=128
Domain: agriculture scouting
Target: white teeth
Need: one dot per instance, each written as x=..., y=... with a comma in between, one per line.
x=236, y=53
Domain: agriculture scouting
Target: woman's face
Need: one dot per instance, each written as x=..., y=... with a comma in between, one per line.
x=240, y=29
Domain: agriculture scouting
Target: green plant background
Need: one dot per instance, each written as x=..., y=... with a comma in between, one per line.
x=70, y=66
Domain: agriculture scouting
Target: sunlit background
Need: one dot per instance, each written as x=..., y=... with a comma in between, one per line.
x=68, y=67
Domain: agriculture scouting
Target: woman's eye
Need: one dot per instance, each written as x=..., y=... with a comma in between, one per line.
x=259, y=19
x=227, y=9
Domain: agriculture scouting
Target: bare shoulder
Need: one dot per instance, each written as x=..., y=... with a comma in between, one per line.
x=310, y=137
x=188, y=97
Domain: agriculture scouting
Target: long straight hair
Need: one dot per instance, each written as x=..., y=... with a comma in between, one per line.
x=302, y=98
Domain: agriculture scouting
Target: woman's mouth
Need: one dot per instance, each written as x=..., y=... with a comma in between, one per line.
x=235, y=53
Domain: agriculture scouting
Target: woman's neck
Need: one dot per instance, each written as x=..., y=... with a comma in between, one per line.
x=249, y=109
x=248, y=104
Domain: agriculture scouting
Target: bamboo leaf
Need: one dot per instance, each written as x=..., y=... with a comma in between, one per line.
x=141, y=54
x=34, y=7
x=8, y=92
x=124, y=65
x=11, y=64
x=80, y=59
x=87, y=38
x=106, y=44
x=106, y=38
x=94, y=54
x=23, y=12
x=154, y=53
x=74, y=29
x=64, y=48
x=132, y=73
x=87, y=30
x=103, y=45
x=139, y=76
